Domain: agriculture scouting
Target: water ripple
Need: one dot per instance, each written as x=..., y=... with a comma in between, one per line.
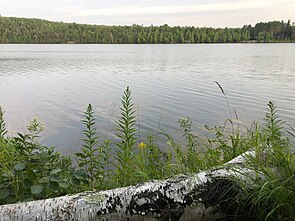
x=56, y=82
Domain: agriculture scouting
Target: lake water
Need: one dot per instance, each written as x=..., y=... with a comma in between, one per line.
x=56, y=82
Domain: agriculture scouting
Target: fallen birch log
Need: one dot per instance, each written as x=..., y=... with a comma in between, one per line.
x=184, y=197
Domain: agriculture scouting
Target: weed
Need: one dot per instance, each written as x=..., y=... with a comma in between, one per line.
x=271, y=197
x=126, y=134
x=94, y=158
x=150, y=161
x=30, y=171
x=88, y=159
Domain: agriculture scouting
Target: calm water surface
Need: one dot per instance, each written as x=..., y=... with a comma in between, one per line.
x=56, y=82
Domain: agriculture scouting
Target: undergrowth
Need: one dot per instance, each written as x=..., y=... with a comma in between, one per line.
x=271, y=195
x=30, y=171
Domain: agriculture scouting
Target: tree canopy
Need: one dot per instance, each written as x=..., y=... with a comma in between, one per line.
x=38, y=31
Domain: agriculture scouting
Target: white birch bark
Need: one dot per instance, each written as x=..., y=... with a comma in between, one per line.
x=184, y=197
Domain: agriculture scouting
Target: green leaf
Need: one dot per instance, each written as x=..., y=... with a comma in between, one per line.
x=56, y=178
x=55, y=171
x=7, y=175
x=75, y=182
x=80, y=176
x=10, y=199
x=64, y=185
x=31, y=175
x=4, y=193
x=36, y=189
x=80, y=155
x=44, y=179
x=54, y=186
x=28, y=183
x=20, y=166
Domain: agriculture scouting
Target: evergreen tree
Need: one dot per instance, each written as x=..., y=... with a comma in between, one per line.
x=22, y=30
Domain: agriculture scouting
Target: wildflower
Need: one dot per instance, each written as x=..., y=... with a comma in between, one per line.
x=36, y=126
x=142, y=145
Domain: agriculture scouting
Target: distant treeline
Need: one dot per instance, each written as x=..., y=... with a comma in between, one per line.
x=37, y=31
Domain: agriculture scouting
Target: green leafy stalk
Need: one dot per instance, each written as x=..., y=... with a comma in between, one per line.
x=126, y=129
x=35, y=127
x=88, y=158
x=273, y=125
x=105, y=161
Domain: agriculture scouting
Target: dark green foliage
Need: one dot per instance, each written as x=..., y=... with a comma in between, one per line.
x=30, y=171
x=150, y=162
x=156, y=160
x=194, y=147
x=37, y=31
x=105, y=162
x=94, y=158
x=88, y=158
x=271, y=31
x=273, y=125
x=273, y=194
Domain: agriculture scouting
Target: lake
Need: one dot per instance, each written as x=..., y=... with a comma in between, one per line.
x=56, y=83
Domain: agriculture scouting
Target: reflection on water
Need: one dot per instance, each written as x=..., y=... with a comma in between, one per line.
x=56, y=82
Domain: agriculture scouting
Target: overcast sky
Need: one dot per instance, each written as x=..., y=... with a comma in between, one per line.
x=210, y=13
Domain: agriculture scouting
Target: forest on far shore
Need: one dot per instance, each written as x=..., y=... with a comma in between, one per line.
x=37, y=31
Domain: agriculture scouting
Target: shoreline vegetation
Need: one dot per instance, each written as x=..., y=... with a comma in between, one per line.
x=37, y=31
x=30, y=171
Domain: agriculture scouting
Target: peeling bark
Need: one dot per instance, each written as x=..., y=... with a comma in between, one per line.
x=184, y=197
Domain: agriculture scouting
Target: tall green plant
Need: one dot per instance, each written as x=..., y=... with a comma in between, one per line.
x=273, y=125
x=194, y=147
x=94, y=159
x=126, y=134
x=273, y=196
x=89, y=157
x=230, y=141
x=104, y=164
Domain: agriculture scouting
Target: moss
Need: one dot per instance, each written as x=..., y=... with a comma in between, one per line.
x=94, y=198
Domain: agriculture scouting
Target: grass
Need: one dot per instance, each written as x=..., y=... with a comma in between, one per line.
x=272, y=195
x=31, y=171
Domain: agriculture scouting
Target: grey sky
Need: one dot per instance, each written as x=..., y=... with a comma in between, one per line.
x=214, y=13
